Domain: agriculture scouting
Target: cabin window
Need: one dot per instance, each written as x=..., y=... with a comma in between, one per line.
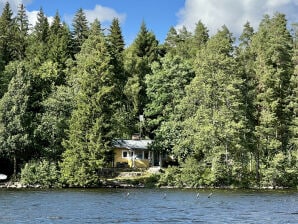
x=124, y=154
x=146, y=155
x=139, y=155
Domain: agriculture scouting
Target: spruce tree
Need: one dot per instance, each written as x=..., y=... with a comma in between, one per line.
x=41, y=28
x=7, y=29
x=246, y=59
x=91, y=130
x=171, y=40
x=22, y=23
x=80, y=30
x=60, y=45
x=37, y=50
x=116, y=49
x=199, y=38
x=139, y=57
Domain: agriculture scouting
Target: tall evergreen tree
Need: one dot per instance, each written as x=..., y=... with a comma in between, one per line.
x=138, y=58
x=37, y=50
x=60, y=45
x=272, y=45
x=91, y=128
x=80, y=30
x=199, y=38
x=7, y=28
x=41, y=28
x=212, y=122
x=22, y=33
x=116, y=49
x=171, y=40
x=246, y=60
x=16, y=117
x=165, y=88
x=294, y=95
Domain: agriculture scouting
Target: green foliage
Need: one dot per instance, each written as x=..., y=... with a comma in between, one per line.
x=21, y=35
x=280, y=173
x=191, y=173
x=41, y=173
x=171, y=177
x=16, y=117
x=54, y=122
x=228, y=114
x=7, y=37
x=80, y=30
x=87, y=147
x=272, y=46
x=138, y=59
x=165, y=88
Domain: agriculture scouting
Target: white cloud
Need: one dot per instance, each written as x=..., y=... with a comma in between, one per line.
x=14, y=5
x=232, y=13
x=32, y=17
x=103, y=14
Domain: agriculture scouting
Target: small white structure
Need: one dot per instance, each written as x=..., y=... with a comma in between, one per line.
x=3, y=176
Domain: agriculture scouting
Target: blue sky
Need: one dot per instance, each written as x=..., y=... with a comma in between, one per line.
x=160, y=15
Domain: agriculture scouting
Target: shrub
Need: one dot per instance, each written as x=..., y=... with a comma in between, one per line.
x=43, y=173
x=171, y=177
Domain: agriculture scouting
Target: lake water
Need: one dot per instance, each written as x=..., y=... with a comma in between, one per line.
x=147, y=206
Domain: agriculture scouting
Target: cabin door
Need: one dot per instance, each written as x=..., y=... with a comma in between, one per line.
x=155, y=158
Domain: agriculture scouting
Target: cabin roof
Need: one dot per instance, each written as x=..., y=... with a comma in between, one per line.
x=132, y=144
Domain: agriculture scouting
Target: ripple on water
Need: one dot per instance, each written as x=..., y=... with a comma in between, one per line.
x=146, y=206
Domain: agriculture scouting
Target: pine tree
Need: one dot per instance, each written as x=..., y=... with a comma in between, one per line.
x=272, y=45
x=199, y=39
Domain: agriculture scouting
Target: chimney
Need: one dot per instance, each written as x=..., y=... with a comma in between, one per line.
x=135, y=137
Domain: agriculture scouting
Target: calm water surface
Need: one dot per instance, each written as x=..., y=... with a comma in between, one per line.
x=147, y=206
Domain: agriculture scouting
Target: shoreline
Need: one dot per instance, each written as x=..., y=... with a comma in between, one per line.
x=118, y=185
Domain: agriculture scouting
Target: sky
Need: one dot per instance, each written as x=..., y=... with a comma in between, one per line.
x=160, y=15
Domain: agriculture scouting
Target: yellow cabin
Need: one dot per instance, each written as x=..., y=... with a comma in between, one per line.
x=134, y=153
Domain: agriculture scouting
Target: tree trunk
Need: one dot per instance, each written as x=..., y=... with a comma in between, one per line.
x=258, y=167
x=14, y=165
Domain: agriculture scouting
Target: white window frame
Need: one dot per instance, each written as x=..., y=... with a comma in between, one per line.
x=127, y=154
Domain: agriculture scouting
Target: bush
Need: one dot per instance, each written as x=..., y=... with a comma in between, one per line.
x=280, y=173
x=43, y=173
x=191, y=172
x=171, y=177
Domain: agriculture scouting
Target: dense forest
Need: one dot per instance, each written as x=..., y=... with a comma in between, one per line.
x=225, y=108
